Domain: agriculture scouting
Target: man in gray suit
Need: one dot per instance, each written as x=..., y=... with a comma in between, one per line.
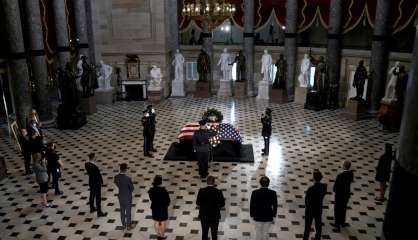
x=125, y=186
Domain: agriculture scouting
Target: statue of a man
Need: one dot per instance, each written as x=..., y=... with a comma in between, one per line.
x=203, y=66
x=241, y=66
x=68, y=87
x=320, y=74
x=156, y=78
x=266, y=62
x=390, y=94
x=224, y=62
x=360, y=77
x=280, y=79
x=304, y=71
x=79, y=72
x=178, y=62
x=104, y=75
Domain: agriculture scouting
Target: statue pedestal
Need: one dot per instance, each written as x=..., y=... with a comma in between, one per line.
x=224, y=89
x=155, y=95
x=278, y=96
x=390, y=116
x=240, y=89
x=355, y=110
x=300, y=95
x=263, y=90
x=88, y=105
x=177, y=89
x=104, y=96
x=202, y=90
x=315, y=100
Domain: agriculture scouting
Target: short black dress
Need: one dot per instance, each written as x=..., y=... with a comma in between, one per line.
x=383, y=168
x=160, y=200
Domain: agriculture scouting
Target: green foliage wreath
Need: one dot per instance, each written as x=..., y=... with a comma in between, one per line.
x=212, y=115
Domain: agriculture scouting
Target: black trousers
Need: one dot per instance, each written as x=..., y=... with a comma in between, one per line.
x=95, y=196
x=147, y=144
x=266, y=145
x=213, y=225
x=202, y=161
x=152, y=139
x=318, y=225
x=27, y=158
x=55, y=180
x=340, y=209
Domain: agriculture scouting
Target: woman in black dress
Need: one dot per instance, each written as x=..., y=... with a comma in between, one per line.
x=383, y=170
x=160, y=200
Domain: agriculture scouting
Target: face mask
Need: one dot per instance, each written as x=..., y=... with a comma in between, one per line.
x=146, y=115
x=152, y=110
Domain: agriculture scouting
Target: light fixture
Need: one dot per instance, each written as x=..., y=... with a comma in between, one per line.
x=211, y=12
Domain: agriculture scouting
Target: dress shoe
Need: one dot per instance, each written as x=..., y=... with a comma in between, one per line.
x=92, y=210
x=148, y=155
x=59, y=193
x=130, y=227
x=153, y=150
x=102, y=214
x=345, y=225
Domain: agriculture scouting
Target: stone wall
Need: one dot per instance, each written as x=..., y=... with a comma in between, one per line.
x=349, y=61
x=134, y=27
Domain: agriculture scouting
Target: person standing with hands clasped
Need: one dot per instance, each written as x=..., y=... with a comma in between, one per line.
x=263, y=208
x=160, y=200
x=266, y=131
x=125, y=186
x=153, y=122
x=201, y=147
x=95, y=185
x=147, y=133
x=383, y=170
x=210, y=200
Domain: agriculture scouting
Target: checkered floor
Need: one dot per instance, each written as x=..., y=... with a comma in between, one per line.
x=302, y=141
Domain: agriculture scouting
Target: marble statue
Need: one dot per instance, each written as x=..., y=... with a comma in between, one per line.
x=104, y=74
x=390, y=94
x=79, y=72
x=226, y=68
x=178, y=62
x=156, y=78
x=304, y=71
x=280, y=78
x=266, y=62
x=360, y=77
x=203, y=66
x=241, y=66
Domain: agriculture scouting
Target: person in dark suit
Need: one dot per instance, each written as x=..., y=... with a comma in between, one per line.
x=95, y=185
x=147, y=133
x=263, y=208
x=313, y=206
x=210, y=200
x=383, y=170
x=54, y=166
x=153, y=121
x=36, y=137
x=266, y=131
x=25, y=146
x=160, y=200
x=342, y=190
x=125, y=186
x=201, y=147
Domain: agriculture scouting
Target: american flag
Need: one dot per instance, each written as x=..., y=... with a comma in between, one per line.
x=226, y=131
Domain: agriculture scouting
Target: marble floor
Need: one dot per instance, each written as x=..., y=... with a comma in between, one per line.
x=302, y=141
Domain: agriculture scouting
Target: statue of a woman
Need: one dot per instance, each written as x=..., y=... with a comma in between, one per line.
x=104, y=76
x=390, y=94
x=266, y=62
x=304, y=71
x=178, y=62
x=225, y=65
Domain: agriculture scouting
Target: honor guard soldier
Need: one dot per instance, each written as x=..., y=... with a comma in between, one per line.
x=201, y=147
x=153, y=121
x=147, y=133
x=266, y=131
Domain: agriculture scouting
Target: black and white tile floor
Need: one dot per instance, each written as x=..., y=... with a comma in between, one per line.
x=302, y=141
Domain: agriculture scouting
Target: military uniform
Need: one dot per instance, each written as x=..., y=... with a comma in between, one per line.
x=153, y=121
x=147, y=132
x=266, y=131
x=201, y=147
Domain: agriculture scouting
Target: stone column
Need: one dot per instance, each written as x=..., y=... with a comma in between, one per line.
x=18, y=67
x=208, y=47
x=93, y=29
x=249, y=45
x=402, y=205
x=173, y=39
x=61, y=31
x=290, y=46
x=38, y=57
x=334, y=52
x=379, y=55
x=80, y=16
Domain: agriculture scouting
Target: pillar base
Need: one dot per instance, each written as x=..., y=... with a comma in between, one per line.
x=88, y=105
x=177, y=89
x=390, y=116
x=263, y=90
x=155, y=96
x=240, y=89
x=202, y=90
x=279, y=96
x=300, y=95
x=355, y=110
x=69, y=118
x=104, y=96
x=315, y=100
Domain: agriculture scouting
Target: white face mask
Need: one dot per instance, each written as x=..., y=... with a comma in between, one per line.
x=146, y=115
x=152, y=110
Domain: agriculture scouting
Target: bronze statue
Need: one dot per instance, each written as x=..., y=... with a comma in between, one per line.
x=203, y=66
x=320, y=74
x=68, y=87
x=241, y=66
x=88, y=78
x=360, y=77
x=280, y=79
